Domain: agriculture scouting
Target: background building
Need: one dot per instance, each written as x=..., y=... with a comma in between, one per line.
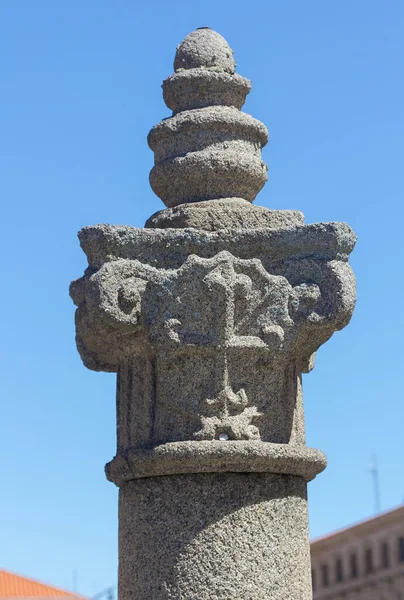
x=363, y=562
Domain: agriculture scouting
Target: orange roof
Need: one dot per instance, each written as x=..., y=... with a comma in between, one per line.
x=16, y=586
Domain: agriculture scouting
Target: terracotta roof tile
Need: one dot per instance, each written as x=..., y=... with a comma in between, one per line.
x=16, y=586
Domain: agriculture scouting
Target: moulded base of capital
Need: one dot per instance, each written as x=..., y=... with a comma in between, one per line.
x=216, y=456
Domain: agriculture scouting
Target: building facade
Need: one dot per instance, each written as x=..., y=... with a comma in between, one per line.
x=363, y=562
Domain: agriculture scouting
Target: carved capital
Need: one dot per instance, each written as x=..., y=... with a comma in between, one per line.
x=213, y=348
x=219, y=302
x=209, y=333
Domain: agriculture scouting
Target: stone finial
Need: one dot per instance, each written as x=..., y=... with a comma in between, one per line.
x=208, y=149
x=204, y=48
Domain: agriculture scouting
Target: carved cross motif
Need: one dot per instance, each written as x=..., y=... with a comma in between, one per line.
x=220, y=307
x=235, y=312
x=248, y=307
x=228, y=413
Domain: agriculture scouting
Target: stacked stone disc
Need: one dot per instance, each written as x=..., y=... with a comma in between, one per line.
x=208, y=149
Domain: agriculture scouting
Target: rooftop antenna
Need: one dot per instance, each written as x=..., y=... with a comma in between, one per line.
x=108, y=593
x=376, y=487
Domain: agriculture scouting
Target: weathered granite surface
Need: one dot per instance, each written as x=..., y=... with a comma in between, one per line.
x=209, y=316
x=204, y=74
x=208, y=149
x=240, y=456
x=169, y=248
x=208, y=153
x=204, y=48
x=229, y=213
x=217, y=536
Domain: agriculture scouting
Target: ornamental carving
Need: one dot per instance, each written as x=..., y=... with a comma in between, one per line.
x=221, y=335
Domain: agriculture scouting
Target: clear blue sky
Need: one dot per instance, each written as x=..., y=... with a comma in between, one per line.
x=80, y=89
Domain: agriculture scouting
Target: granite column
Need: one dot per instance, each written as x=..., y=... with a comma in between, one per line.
x=209, y=316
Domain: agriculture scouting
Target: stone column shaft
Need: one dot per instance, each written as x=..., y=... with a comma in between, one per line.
x=214, y=535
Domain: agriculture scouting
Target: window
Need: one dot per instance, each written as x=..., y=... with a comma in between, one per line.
x=313, y=580
x=385, y=557
x=401, y=549
x=368, y=560
x=339, y=574
x=324, y=575
x=353, y=566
